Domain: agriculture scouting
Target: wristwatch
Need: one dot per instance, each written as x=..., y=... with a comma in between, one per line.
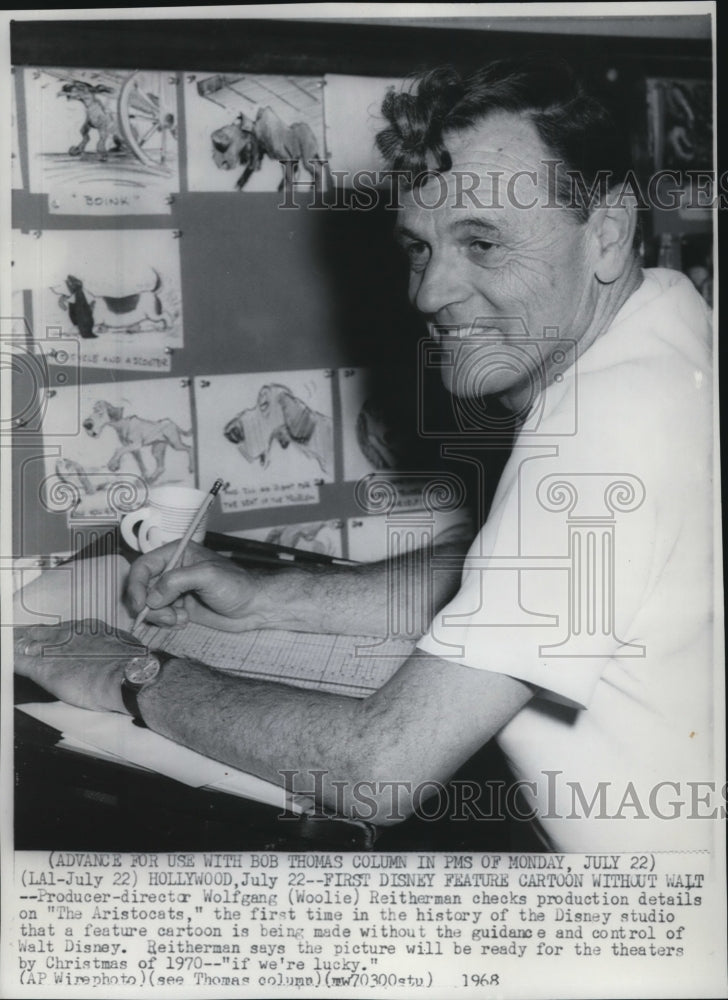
x=140, y=672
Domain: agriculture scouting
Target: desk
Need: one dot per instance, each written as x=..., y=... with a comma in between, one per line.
x=68, y=800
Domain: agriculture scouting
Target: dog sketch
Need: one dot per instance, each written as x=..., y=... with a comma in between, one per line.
x=246, y=141
x=80, y=310
x=92, y=314
x=280, y=416
x=98, y=116
x=136, y=433
x=303, y=536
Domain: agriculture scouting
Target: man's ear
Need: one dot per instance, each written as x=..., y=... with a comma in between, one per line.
x=613, y=228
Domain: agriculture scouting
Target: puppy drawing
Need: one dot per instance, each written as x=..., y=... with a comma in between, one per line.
x=135, y=433
x=279, y=415
x=246, y=141
x=98, y=116
x=80, y=310
x=91, y=314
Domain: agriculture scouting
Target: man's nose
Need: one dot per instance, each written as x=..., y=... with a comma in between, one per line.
x=440, y=285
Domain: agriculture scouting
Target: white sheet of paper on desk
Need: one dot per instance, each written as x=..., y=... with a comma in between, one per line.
x=117, y=735
x=342, y=664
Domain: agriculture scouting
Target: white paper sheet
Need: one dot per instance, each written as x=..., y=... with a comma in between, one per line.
x=116, y=734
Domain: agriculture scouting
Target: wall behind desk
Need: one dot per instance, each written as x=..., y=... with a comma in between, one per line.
x=263, y=291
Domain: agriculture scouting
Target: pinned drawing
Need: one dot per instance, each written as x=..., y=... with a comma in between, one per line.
x=136, y=434
x=131, y=436
x=272, y=433
x=280, y=416
x=374, y=436
x=92, y=314
x=117, y=291
x=322, y=537
x=245, y=125
x=102, y=141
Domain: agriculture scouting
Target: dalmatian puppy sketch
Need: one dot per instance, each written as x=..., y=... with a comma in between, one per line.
x=141, y=440
x=279, y=416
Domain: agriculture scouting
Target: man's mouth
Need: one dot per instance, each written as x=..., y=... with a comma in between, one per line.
x=469, y=331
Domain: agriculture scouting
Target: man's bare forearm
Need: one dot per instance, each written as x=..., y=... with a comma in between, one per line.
x=402, y=735
x=267, y=729
x=396, y=596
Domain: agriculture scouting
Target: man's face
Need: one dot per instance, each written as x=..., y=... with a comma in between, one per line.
x=487, y=273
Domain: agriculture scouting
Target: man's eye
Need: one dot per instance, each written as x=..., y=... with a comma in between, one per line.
x=481, y=246
x=485, y=252
x=418, y=254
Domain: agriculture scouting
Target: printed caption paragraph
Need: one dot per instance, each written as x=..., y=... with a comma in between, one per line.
x=269, y=924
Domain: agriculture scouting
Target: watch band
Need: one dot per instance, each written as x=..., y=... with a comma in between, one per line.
x=129, y=694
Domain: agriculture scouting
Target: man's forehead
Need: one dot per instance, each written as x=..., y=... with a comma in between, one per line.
x=499, y=162
x=503, y=140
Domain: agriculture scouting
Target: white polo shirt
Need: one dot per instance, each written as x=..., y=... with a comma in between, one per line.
x=592, y=580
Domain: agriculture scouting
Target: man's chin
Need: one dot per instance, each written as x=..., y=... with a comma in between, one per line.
x=469, y=386
x=513, y=397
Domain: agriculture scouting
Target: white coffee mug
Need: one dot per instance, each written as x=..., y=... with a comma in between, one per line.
x=167, y=515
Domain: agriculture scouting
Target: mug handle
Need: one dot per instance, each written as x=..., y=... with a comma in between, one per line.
x=134, y=525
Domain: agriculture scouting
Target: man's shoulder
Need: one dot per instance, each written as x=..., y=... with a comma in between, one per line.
x=655, y=358
x=665, y=320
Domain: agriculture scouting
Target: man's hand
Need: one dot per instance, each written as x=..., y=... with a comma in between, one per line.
x=207, y=588
x=78, y=661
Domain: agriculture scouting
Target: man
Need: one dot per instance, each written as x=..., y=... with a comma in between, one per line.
x=588, y=657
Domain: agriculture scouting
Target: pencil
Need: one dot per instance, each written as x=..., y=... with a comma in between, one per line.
x=183, y=543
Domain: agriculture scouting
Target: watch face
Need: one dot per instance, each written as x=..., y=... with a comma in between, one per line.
x=142, y=669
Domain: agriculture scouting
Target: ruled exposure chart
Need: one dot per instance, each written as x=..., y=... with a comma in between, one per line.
x=344, y=664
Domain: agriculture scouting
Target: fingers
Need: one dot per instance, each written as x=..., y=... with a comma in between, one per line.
x=147, y=569
x=163, y=616
x=24, y=644
x=167, y=588
x=30, y=640
x=171, y=616
x=143, y=570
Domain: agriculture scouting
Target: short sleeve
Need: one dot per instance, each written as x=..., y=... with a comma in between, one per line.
x=554, y=581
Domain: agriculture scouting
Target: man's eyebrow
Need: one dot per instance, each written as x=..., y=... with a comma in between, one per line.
x=475, y=222
x=403, y=232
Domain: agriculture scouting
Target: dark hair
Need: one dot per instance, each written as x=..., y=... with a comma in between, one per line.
x=575, y=127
